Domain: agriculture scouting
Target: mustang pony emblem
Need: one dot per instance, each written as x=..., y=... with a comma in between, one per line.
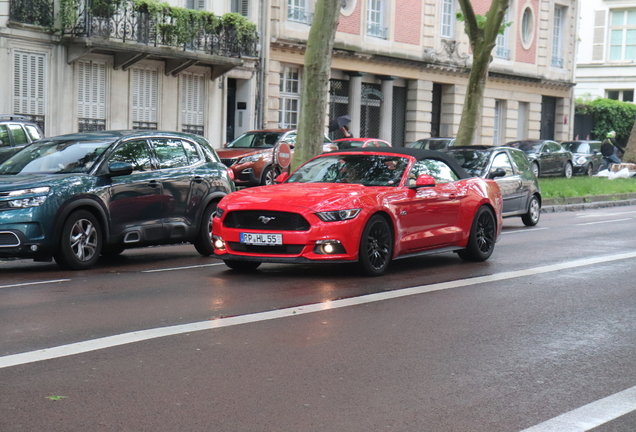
x=265, y=219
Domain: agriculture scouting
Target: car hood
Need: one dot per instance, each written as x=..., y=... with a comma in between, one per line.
x=313, y=196
x=236, y=153
x=21, y=181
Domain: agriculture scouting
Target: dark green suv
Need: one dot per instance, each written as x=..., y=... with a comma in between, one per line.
x=74, y=197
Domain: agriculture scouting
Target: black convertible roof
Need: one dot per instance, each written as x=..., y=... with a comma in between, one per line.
x=418, y=154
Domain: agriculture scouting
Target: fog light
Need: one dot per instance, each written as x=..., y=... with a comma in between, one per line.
x=329, y=247
x=34, y=248
x=219, y=243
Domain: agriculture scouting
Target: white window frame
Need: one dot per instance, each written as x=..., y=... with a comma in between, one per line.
x=557, y=36
x=376, y=19
x=92, y=82
x=298, y=10
x=447, y=22
x=193, y=96
x=196, y=4
x=240, y=7
x=622, y=33
x=289, y=97
x=498, y=124
x=29, y=83
x=144, y=82
x=501, y=48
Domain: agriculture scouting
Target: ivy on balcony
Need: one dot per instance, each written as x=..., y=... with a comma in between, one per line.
x=35, y=12
x=151, y=22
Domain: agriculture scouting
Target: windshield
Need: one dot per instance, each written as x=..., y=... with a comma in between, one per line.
x=368, y=170
x=526, y=146
x=55, y=157
x=432, y=144
x=575, y=147
x=256, y=139
x=342, y=144
x=474, y=162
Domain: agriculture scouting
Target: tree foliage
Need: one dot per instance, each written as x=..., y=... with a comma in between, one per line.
x=609, y=115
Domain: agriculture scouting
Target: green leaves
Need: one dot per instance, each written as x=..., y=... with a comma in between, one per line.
x=609, y=115
x=481, y=21
x=56, y=398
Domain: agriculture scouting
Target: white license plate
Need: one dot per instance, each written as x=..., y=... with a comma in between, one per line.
x=262, y=239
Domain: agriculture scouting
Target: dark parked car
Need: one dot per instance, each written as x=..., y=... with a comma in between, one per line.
x=433, y=143
x=16, y=132
x=74, y=197
x=547, y=157
x=512, y=171
x=587, y=156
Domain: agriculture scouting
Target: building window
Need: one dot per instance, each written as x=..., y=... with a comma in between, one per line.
x=240, y=7
x=196, y=4
x=192, y=103
x=527, y=27
x=499, y=132
x=621, y=95
x=91, y=96
x=623, y=35
x=557, y=37
x=501, y=48
x=298, y=10
x=29, y=78
x=522, y=120
x=289, y=98
x=448, y=18
x=375, y=19
x=145, y=85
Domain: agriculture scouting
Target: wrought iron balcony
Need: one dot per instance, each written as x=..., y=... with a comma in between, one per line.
x=300, y=15
x=125, y=21
x=557, y=62
x=36, y=12
x=503, y=53
x=377, y=30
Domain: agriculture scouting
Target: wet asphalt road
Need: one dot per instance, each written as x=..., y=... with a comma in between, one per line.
x=495, y=346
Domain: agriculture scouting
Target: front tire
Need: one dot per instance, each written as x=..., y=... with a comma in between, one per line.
x=567, y=170
x=80, y=242
x=242, y=265
x=376, y=246
x=203, y=242
x=535, y=169
x=269, y=176
x=590, y=170
x=534, y=212
x=481, y=242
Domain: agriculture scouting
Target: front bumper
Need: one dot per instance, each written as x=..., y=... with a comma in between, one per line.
x=15, y=244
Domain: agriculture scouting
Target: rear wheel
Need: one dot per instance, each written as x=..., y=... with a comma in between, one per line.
x=242, y=265
x=481, y=242
x=80, y=242
x=534, y=212
x=376, y=246
x=567, y=170
x=203, y=242
x=535, y=169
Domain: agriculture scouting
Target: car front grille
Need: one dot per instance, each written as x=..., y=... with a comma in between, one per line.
x=9, y=239
x=266, y=250
x=229, y=162
x=266, y=220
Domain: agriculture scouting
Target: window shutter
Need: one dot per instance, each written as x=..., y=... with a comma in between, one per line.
x=91, y=94
x=598, y=43
x=245, y=5
x=192, y=98
x=201, y=5
x=28, y=83
x=145, y=83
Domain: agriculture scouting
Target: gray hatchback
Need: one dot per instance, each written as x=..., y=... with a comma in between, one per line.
x=16, y=132
x=512, y=171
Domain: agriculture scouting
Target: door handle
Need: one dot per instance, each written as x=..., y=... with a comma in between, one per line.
x=153, y=183
x=198, y=179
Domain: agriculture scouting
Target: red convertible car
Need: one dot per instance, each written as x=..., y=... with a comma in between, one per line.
x=365, y=206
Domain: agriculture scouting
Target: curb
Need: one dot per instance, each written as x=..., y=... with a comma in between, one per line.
x=588, y=203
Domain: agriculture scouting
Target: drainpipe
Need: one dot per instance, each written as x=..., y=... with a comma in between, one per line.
x=263, y=60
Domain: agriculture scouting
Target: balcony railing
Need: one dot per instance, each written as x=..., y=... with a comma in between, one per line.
x=36, y=12
x=300, y=15
x=557, y=62
x=124, y=21
x=377, y=30
x=502, y=53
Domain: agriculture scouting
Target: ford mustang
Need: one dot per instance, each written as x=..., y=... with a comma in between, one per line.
x=364, y=206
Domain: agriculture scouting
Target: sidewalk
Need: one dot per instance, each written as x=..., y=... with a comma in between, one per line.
x=586, y=203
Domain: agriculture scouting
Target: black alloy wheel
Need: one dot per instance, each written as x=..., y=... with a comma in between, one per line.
x=376, y=246
x=481, y=242
x=534, y=212
x=80, y=241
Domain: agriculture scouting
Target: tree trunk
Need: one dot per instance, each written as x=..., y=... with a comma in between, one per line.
x=630, y=147
x=315, y=84
x=482, y=41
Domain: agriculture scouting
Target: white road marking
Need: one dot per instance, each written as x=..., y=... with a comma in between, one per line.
x=34, y=283
x=602, y=222
x=142, y=335
x=181, y=268
x=590, y=215
x=591, y=415
x=524, y=230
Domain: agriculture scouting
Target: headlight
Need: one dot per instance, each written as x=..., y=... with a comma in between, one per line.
x=580, y=160
x=338, y=215
x=252, y=158
x=219, y=212
x=29, y=201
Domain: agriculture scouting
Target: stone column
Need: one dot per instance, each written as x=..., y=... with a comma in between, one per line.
x=419, y=105
x=386, y=109
x=355, y=101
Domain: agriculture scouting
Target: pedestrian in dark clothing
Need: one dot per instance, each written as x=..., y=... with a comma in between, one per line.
x=609, y=149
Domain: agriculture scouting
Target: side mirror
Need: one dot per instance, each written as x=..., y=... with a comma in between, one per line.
x=499, y=172
x=282, y=177
x=120, y=169
x=425, y=180
x=226, y=144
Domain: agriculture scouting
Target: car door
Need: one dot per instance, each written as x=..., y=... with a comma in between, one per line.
x=549, y=161
x=135, y=203
x=529, y=182
x=510, y=184
x=428, y=216
x=6, y=149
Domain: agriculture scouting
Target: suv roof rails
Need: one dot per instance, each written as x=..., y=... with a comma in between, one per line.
x=13, y=117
